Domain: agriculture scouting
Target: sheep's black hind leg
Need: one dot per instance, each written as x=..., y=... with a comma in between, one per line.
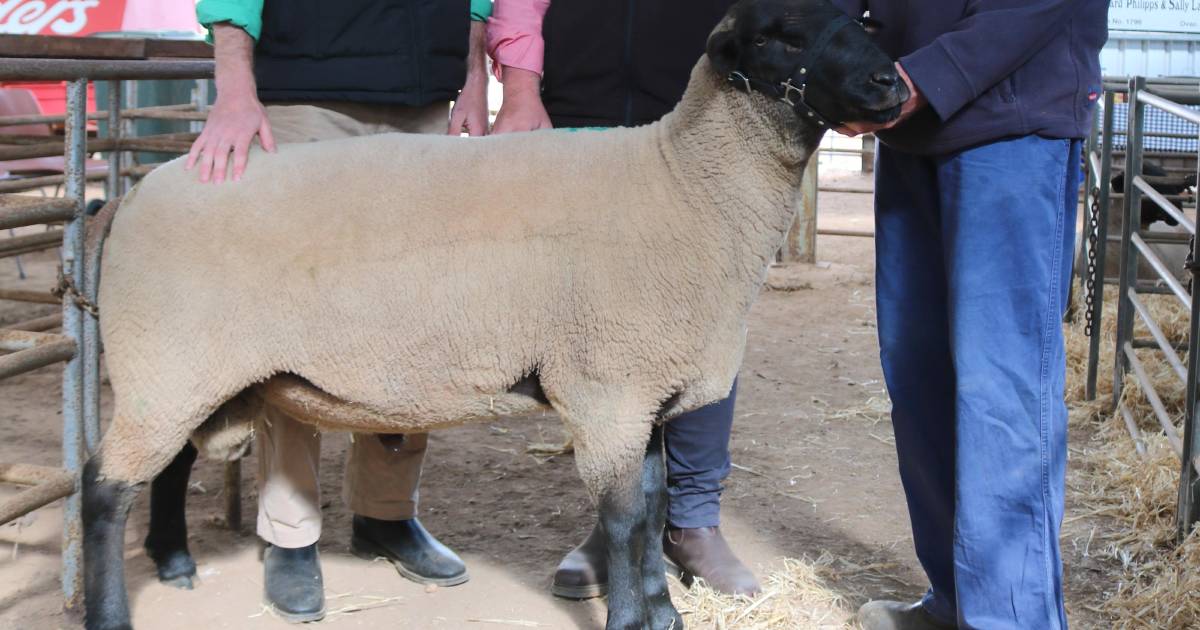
x=105, y=508
x=166, y=543
x=662, y=613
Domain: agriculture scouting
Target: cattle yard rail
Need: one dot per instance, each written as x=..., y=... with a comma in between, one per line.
x=1173, y=98
x=27, y=346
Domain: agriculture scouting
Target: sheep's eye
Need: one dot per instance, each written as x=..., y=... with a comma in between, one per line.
x=761, y=40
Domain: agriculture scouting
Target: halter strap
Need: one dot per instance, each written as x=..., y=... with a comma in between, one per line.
x=791, y=91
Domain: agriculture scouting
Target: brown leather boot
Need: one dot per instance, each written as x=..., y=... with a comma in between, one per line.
x=583, y=573
x=703, y=553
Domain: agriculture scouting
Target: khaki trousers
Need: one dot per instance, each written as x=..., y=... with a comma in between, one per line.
x=378, y=482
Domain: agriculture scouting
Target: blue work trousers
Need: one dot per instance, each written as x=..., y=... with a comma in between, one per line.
x=973, y=263
x=697, y=462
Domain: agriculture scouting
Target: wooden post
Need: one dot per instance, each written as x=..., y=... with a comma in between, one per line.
x=233, y=495
x=868, y=153
x=801, y=244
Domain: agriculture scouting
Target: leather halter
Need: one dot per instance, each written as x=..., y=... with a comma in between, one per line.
x=792, y=90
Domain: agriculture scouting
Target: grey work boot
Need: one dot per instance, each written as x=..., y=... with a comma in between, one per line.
x=412, y=550
x=292, y=584
x=889, y=615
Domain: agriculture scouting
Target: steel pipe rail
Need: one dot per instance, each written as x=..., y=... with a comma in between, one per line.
x=78, y=345
x=1130, y=307
x=1095, y=246
x=13, y=340
x=1131, y=426
x=18, y=245
x=848, y=189
x=1160, y=268
x=175, y=142
x=1160, y=410
x=36, y=357
x=185, y=111
x=844, y=151
x=32, y=183
x=1166, y=206
x=22, y=211
x=1169, y=106
x=18, y=69
x=1159, y=338
x=37, y=119
x=1165, y=238
x=49, y=484
x=22, y=295
x=837, y=232
x=24, y=184
x=37, y=324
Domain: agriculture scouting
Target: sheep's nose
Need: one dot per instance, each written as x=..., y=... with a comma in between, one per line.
x=886, y=79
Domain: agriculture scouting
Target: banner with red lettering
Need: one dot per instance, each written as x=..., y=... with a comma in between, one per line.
x=85, y=17
x=60, y=17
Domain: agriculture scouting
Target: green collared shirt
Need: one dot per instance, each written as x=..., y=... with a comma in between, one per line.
x=247, y=14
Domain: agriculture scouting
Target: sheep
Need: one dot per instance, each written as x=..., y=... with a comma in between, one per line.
x=1164, y=184
x=355, y=284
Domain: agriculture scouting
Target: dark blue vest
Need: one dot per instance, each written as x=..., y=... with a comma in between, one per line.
x=404, y=52
x=622, y=62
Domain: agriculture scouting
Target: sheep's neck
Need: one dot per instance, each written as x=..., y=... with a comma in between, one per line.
x=739, y=160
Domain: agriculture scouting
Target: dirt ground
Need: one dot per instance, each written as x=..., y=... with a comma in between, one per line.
x=808, y=479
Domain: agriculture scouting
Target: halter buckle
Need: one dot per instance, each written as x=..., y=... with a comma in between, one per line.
x=788, y=88
x=736, y=76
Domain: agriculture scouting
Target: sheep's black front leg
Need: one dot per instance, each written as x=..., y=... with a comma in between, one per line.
x=105, y=508
x=662, y=613
x=623, y=519
x=166, y=543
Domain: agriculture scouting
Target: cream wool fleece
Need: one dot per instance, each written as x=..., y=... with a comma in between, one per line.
x=413, y=280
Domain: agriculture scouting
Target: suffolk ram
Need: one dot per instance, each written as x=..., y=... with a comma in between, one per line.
x=364, y=285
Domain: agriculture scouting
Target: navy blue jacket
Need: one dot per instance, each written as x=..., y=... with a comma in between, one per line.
x=992, y=68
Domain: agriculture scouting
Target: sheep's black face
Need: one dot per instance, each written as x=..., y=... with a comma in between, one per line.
x=807, y=53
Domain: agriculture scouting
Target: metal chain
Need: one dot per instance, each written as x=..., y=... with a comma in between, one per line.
x=66, y=289
x=1093, y=236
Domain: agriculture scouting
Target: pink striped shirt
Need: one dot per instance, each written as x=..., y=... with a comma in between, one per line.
x=514, y=35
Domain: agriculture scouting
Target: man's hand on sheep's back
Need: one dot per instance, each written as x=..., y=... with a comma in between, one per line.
x=237, y=115
x=470, y=112
x=522, y=109
x=232, y=125
x=915, y=102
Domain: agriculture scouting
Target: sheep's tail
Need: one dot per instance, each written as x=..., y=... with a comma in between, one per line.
x=99, y=225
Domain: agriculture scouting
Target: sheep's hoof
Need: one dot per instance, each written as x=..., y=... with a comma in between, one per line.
x=176, y=569
x=182, y=582
x=123, y=626
x=665, y=617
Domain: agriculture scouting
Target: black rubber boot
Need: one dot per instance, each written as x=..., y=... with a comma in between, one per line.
x=415, y=553
x=892, y=615
x=292, y=583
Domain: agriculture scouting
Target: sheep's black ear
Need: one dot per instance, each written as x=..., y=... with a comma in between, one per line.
x=723, y=50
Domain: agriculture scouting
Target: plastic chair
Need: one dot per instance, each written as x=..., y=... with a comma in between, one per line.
x=22, y=102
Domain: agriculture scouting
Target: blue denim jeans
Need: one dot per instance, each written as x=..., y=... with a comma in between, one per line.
x=973, y=263
x=698, y=461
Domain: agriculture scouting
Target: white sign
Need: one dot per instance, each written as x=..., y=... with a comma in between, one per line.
x=1161, y=16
